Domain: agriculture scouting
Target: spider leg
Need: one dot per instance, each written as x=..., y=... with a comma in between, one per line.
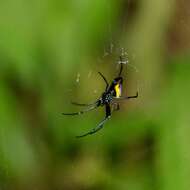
x=84, y=111
x=94, y=130
x=126, y=97
x=121, y=68
x=116, y=106
x=107, y=84
x=137, y=94
x=100, y=125
x=79, y=104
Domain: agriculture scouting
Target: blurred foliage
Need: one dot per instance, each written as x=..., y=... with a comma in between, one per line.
x=44, y=44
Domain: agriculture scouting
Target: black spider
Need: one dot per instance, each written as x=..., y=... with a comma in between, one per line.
x=109, y=97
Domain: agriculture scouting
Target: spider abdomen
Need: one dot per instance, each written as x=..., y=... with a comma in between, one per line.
x=118, y=90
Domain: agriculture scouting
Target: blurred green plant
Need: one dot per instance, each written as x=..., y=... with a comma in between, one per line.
x=42, y=45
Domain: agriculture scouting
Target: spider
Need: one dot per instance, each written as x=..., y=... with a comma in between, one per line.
x=109, y=98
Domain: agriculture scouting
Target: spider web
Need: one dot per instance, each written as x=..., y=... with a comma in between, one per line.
x=87, y=85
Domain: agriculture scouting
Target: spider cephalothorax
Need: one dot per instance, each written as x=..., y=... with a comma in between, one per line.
x=110, y=96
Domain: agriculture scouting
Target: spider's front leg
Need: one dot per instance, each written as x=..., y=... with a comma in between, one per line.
x=94, y=106
x=137, y=94
x=125, y=97
x=105, y=80
x=100, y=125
x=79, y=104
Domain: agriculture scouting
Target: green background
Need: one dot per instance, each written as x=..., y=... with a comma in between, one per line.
x=44, y=45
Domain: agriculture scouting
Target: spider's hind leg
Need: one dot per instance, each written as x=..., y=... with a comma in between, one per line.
x=100, y=125
x=96, y=129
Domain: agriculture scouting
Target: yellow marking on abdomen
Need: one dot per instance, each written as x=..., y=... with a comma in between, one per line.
x=118, y=90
